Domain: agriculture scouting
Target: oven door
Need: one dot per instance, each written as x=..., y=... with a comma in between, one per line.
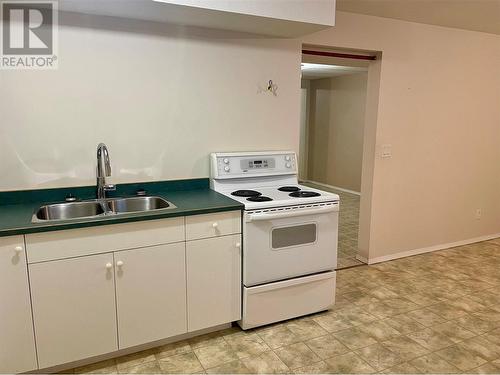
x=283, y=243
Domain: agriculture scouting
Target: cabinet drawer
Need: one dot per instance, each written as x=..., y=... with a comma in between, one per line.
x=86, y=241
x=213, y=225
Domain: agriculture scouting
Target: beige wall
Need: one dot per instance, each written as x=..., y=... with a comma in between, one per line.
x=438, y=107
x=336, y=124
x=162, y=98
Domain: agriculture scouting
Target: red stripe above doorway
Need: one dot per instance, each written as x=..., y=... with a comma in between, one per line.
x=338, y=54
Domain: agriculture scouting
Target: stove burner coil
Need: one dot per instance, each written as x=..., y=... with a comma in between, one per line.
x=246, y=193
x=289, y=188
x=304, y=194
x=259, y=198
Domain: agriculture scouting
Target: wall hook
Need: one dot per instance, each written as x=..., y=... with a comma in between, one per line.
x=272, y=87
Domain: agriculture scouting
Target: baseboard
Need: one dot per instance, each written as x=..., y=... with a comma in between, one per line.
x=333, y=187
x=404, y=254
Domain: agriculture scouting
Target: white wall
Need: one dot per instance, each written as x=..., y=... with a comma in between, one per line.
x=439, y=108
x=162, y=98
x=336, y=126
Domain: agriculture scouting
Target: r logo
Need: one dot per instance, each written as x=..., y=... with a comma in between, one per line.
x=27, y=28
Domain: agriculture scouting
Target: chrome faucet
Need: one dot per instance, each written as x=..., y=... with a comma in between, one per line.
x=103, y=172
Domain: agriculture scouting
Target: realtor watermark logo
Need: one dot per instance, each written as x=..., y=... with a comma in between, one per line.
x=29, y=34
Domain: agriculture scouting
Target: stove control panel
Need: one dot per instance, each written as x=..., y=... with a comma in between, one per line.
x=237, y=165
x=259, y=163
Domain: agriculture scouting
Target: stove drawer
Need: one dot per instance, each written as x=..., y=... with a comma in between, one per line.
x=213, y=225
x=274, y=302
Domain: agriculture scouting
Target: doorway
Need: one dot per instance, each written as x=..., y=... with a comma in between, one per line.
x=333, y=101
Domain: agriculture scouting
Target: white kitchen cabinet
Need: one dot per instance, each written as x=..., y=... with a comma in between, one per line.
x=150, y=293
x=17, y=342
x=213, y=281
x=98, y=290
x=73, y=308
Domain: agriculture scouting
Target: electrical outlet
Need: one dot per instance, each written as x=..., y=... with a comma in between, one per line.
x=479, y=213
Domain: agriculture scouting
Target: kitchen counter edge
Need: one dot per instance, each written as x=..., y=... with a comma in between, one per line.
x=15, y=219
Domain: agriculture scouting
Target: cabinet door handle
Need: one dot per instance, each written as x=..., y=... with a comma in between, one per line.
x=119, y=263
x=18, y=249
x=215, y=225
x=238, y=245
x=109, y=266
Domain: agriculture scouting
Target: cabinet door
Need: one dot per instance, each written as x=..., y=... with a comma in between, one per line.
x=150, y=293
x=17, y=343
x=214, y=281
x=73, y=308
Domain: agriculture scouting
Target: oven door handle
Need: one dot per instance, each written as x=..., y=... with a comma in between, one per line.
x=291, y=213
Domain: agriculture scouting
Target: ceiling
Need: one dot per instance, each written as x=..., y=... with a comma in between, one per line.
x=476, y=15
x=317, y=71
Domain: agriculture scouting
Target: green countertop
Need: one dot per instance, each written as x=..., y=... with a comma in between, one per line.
x=192, y=197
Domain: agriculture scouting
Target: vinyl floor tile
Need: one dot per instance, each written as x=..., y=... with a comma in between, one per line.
x=349, y=363
x=405, y=348
x=461, y=357
x=430, y=339
x=354, y=338
x=379, y=357
x=434, y=364
x=297, y=355
x=181, y=363
x=327, y=346
x=266, y=363
x=215, y=355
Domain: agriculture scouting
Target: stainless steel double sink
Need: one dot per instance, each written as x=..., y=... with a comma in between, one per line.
x=99, y=208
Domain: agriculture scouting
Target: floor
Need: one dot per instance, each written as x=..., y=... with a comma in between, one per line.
x=432, y=313
x=348, y=227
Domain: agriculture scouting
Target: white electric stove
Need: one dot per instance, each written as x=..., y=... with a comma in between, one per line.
x=289, y=235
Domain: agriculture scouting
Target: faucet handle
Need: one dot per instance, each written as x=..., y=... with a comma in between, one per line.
x=110, y=187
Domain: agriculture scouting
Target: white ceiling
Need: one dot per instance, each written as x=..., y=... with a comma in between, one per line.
x=317, y=71
x=476, y=15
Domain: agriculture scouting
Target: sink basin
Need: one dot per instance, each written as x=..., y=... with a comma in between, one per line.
x=66, y=211
x=138, y=204
x=90, y=209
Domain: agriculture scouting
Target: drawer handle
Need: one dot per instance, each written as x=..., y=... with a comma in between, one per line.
x=109, y=266
x=215, y=225
x=18, y=249
x=238, y=245
x=119, y=263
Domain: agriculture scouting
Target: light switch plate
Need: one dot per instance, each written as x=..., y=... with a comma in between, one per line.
x=386, y=151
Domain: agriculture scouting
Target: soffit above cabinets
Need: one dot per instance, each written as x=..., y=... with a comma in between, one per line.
x=277, y=18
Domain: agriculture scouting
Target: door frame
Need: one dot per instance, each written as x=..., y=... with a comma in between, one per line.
x=369, y=137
